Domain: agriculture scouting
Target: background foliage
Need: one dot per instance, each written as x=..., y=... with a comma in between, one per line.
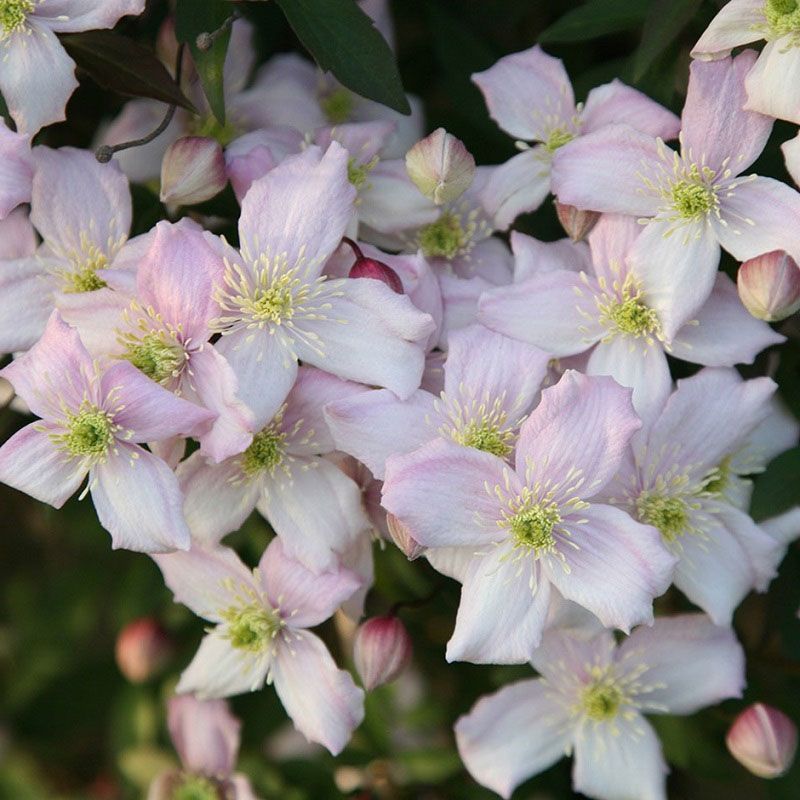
x=72, y=727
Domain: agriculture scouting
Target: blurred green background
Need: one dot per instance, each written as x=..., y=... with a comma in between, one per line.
x=71, y=726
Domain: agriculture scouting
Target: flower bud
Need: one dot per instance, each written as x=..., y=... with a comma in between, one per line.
x=402, y=537
x=576, y=223
x=769, y=286
x=441, y=166
x=193, y=170
x=372, y=268
x=381, y=651
x=763, y=740
x=142, y=650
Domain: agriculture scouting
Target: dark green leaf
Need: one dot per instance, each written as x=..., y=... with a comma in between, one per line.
x=777, y=489
x=667, y=18
x=343, y=39
x=192, y=19
x=597, y=18
x=122, y=65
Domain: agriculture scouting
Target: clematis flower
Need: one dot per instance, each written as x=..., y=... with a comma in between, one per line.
x=91, y=422
x=82, y=211
x=163, y=330
x=16, y=169
x=206, y=736
x=260, y=635
x=681, y=480
x=694, y=201
x=491, y=383
x=278, y=308
x=313, y=506
x=522, y=530
x=591, y=700
x=38, y=77
x=610, y=310
x=530, y=96
x=772, y=83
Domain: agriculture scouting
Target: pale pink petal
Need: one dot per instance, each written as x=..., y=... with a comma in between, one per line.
x=784, y=528
x=358, y=559
x=98, y=317
x=619, y=758
x=581, y=428
x=502, y=612
x=24, y=285
x=715, y=127
x=517, y=186
x=17, y=236
x=692, y=663
x=297, y=214
x=439, y=491
x=777, y=432
x=603, y=171
x=16, y=170
x=451, y=561
x=38, y=77
x=563, y=653
x=170, y=450
x=725, y=332
x=362, y=140
x=513, y=734
x=369, y=334
x=613, y=566
x=304, y=598
x=31, y=462
x=68, y=16
x=322, y=700
x=611, y=239
x=616, y=102
x=791, y=152
x=773, y=84
x=764, y=553
x=528, y=94
x=738, y=22
x=554, y=311
x=460, y=302
x=374, y=425
x=138, y=501
x=205, y=734
x=532, y=257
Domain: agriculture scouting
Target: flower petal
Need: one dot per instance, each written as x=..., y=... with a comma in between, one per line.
x=772, y=84
x=24, y=284
x=517, y=186
x=791, y=153
x=618, y=103
x=67, y=16
x=738, y=22
x=16, y=169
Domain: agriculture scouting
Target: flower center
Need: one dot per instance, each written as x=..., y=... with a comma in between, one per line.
x=13, y=14
x=487, y=437
x=444, y=238
x=275, y=303
x=83, y=276
x=89, y=433
x=558, y=138
x=156, y=356
x=627, y=313
x=251, y=627
x=783, y=19
x=669, y=514
x=477, y=422
x=266, y=451
x=532, y=527
x=716, y=482
x=338, y=105
x=357, y=173
x=601, y=700
x=211, y=128
x=693, y=196
x=195, y=787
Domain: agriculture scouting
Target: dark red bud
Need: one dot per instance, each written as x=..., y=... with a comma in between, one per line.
x=372, y=268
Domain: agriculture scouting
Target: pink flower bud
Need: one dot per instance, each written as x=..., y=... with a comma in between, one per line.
x=193, y=170
x=441, y=166
x=763, y=740
x=769, y=286
x=142, y=650
x=402, y=537
x=381, y=651
x=372, y=268
x=576, y=223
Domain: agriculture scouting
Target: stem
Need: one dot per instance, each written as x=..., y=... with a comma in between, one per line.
x=354, y=247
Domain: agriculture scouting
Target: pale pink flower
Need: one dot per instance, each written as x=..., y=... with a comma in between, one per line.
x=764, y=740
x=38, y=77
x=260, y=635
x=382, y=649
x=193, y=171
x=530, y=96
x=773, y=84
x=694, y=201
x=591, y=700
x=91, y=422
x=17, y=236
x=16, y=169
x=519, y=531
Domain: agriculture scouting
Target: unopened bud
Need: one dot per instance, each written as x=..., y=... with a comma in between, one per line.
x=193, y=170
x=763, y=740
x=402, y=537
x=441, y=166
x=576, y=223
x=381, y=651
x=142, y=650
x=372, y=268
x=769, y=286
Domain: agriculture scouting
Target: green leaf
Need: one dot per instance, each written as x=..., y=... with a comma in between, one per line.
x=667, y=18
x=122, y=65
x=777, y=489
x=343, y=39
x=596, y=18
x=192, y=19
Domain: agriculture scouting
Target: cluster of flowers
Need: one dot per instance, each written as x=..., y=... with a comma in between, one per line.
x=507, y=414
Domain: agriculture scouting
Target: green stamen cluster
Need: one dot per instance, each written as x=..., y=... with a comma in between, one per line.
x=558, y=138
x=693, y=196
x=444, y=238
x=158, y=358
x=211, y=128
x=275, y=303
x=633, y=317
x=89, y=432
x=357, y=173
x=532, y=526
x=84, y=278
x=195, y=787
x=669, y=514
x=783, y=18
x=266, y=451
x=338, y=106
x=13, y=14
x=716, y=482
x=486, y=437
x=601, y=701
x=251, y=628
